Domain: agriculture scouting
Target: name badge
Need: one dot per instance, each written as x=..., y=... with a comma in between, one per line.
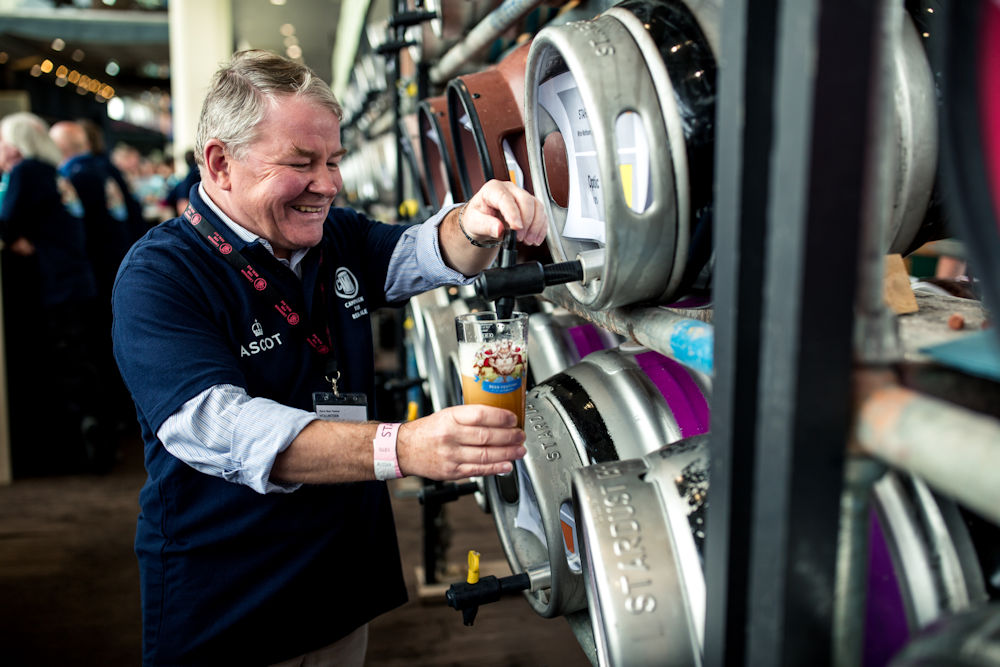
x=342, y=407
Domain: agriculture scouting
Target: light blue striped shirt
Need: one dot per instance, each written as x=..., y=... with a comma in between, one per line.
x=227, y=433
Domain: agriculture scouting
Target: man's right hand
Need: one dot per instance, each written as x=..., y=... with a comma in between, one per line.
x=459, y=442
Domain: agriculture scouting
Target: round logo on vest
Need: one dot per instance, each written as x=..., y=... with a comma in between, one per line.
x=345, y=284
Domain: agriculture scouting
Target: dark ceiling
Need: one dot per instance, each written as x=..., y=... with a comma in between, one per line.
x=138, y=40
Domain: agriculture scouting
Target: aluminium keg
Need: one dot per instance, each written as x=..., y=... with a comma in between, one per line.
x=559, y=339
x=619, y=403
x=969, y=639
x=641, y=524
x=418, y=307
x=915, y=137
x=638, y=78
x=630, y=97
x=437, y=150
x=647, y=605
x=923, y=564
x=486, y=112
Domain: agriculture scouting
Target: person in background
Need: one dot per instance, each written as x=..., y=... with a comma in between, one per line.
x=109, y=236
x=266, y=532
x=35, y=223
x=179, y=195
x=105, y=211
x=98, y=148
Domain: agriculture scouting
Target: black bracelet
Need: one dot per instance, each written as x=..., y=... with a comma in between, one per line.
x=478, y=244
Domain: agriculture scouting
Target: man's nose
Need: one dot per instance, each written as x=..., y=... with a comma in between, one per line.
x=326, y=181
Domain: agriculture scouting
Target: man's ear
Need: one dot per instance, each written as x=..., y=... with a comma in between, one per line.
x=218, y=163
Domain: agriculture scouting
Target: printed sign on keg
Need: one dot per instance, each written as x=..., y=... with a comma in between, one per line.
x=585, y=217
x=560, y=97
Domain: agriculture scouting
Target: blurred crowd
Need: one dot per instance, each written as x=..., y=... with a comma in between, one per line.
x=70, y=209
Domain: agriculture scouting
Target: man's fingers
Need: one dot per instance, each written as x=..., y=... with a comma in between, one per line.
x=502, y=197
x=483, y=415
x=530, y=215
x=478, y=461
x=490, y=454
x=482, y=436
x=470, y=470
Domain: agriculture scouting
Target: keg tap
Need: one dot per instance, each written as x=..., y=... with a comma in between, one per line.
x=466, y=596
x=507, y=260
x=512, y=280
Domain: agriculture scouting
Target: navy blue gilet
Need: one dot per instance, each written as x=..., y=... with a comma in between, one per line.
x=33, y=208
x=230, y=576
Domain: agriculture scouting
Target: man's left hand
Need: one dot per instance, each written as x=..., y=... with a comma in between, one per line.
x=502, y=201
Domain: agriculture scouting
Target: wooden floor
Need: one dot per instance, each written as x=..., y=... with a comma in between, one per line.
x=69, y=583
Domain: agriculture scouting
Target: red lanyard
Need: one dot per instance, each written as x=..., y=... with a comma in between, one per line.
x=265, y=291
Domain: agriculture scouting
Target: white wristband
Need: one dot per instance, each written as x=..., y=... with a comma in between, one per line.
x=386, y=463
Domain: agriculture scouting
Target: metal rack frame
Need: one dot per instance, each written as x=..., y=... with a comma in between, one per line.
x=802, y=181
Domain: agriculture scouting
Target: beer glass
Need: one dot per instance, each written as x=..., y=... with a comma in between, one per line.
x=493, y=360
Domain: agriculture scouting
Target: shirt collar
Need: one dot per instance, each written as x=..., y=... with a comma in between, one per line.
x=294, y=263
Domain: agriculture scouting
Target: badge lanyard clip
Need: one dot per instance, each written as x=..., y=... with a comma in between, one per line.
x=332, y=375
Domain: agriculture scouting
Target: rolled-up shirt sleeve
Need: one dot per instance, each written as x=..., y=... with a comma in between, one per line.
x=416, y=264
x=224, y=432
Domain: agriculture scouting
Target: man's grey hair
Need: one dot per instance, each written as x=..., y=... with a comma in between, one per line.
x=244, y=90
x=29, y=134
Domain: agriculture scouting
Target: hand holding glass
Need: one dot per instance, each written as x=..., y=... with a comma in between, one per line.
x=493, y=359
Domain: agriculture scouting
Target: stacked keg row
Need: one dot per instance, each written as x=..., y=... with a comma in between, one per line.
x=610, y=122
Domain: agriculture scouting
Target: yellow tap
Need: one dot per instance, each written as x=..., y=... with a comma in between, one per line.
x=473, y=577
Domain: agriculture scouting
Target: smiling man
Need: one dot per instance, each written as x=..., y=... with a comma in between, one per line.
x=266, y=532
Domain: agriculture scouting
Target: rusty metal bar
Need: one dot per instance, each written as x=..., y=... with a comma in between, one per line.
x=954, y=450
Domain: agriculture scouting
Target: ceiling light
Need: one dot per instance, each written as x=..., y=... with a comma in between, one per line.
x=58, y=44
x=279, y=3
x=294, y=51
x=47, y=66
x=78, y=55
x=287, y=30
x=112, y=68
x=116, y=109
x=62, y=71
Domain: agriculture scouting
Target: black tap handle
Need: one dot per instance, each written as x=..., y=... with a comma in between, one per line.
x=467, y=597
x=445, y=492
x=406, y=19
x=525, y=278
x=393, y=46
x=508, y=260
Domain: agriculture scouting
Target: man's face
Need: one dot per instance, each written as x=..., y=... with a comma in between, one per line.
x=284, y=185
x=9, y=156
